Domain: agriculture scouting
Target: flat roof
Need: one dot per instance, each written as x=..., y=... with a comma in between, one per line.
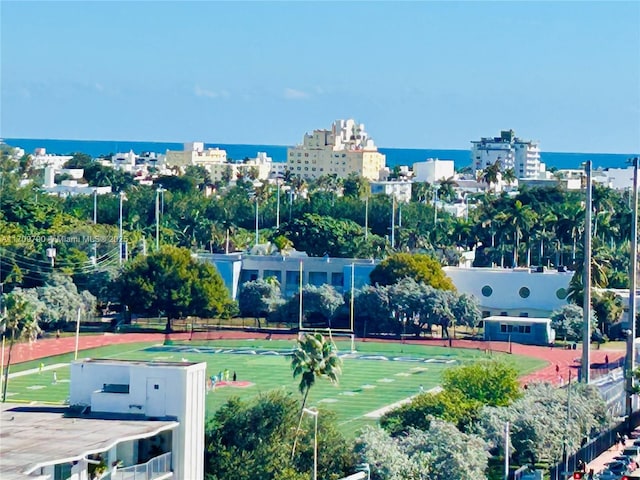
x=35, y=436
x=144, y=363
x=507, y=319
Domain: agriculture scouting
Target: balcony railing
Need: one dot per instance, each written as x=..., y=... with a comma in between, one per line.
x=157, y=467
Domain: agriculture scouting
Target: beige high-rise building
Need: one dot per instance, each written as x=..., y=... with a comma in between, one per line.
x=345, y=149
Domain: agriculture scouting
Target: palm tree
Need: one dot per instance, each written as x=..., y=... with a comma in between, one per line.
x=509, y=176
x=521, y=218
x=491, y=174
x=313, y=358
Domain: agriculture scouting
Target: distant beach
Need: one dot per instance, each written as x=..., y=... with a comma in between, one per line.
x=395, y=156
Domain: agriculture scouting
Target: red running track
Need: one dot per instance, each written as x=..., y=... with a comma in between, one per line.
x=561, y=361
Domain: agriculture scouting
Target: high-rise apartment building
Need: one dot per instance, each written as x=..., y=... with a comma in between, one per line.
x=523, y=156
x=345, y=149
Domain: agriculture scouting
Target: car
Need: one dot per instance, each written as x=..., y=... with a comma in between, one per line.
x=617, y=467
x=608, y=475
x=624, y=459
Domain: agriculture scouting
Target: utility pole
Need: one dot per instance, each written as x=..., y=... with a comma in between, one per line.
x=120, y=231
x=393, y=221
x=633, y=270
x=586, y=276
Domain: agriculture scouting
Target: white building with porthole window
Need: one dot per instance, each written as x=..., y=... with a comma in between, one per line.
x=517, y=292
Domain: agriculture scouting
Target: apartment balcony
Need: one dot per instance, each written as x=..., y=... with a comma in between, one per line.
x=158, y=468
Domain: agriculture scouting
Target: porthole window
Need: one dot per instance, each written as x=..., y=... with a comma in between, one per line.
x=487, y=291
x=524, y=292
x=561, y=293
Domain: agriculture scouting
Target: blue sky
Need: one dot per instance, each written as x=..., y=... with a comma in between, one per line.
x=417, y=74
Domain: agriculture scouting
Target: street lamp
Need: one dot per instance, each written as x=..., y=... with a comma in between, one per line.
x=159, y=191
x=120, y=230
x=314, y=413
x=95, y=205
x=393, y=220
x=256, y=185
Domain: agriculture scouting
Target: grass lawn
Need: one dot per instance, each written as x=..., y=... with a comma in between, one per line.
x=365, y=385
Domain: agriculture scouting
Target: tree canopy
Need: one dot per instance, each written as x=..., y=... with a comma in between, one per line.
x=250, y=439
x=172, y=283
x=420, y=267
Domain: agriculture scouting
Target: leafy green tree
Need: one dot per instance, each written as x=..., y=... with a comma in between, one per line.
x=490, y=382
x=355, y=186
x=568, y=322
x=466, y=311
x=320, y=302
x=420, y=267
x=608, y=308
x=372, y=311
x=62, y=301
x=258, y=298
x=251, y=439
x=444, y=405
x=321, y=235
x=172, y=283
x=538, y=422
x=19, y=321
x=441, y=452
x=314, y=357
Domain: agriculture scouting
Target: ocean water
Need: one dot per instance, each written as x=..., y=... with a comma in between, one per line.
x=395, y=156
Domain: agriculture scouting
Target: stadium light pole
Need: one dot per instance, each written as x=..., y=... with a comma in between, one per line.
x=633, y=270
x=353, y=271
x=586, y=276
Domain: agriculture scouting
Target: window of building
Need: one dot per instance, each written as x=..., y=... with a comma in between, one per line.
x=277, y=274
x=561, y=293
x=337, y=279
x=524, y=292
x=487, y=291
x=504, y=314
x=248, y=276
x=317, y=278
x=292, y=278
x=486, y=313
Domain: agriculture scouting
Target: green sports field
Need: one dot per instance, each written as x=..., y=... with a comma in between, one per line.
x=375, y=376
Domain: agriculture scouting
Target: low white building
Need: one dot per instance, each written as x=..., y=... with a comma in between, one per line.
x=433, y=170
x=145, y=418
x=400, y=189
x=517, y=292
x=41, y=159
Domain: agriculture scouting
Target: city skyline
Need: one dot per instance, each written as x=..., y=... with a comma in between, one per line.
x=417, y=74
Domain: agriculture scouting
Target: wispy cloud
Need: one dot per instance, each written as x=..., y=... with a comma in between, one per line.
x=203, y=92
x=293, y=94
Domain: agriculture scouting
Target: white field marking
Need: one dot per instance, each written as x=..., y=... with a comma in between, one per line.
x=348, y=393
x=385, y=380
x=327, y=400
x=36, y=387
x=381, y=411
x=167, y=357
x=402, y=374
x=367, y=386
x=55, y=366
x=418, y=369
